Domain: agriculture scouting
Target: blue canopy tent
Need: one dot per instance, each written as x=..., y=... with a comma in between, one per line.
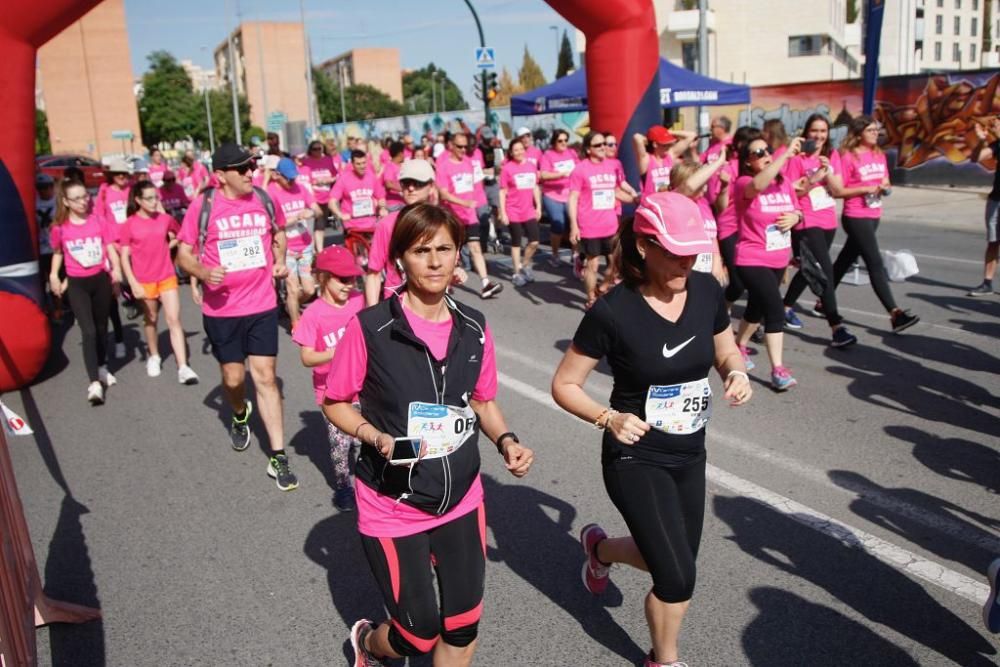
x=679, y=87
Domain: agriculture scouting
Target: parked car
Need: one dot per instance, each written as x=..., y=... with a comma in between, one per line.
x=55, y=165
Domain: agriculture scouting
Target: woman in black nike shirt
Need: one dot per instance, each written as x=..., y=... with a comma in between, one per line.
x=661, y=331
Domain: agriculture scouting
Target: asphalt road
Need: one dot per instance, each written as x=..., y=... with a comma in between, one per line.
x=849, y=521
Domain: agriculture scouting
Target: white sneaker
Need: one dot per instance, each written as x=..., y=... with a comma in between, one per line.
x=153, y=366
x=95, y=393
x=106, y=378
x=528, y=274
x=186, y=375
x=119, y=350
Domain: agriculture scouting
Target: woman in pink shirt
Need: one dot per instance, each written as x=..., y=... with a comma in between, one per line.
x=112, y=203
x=146, y=241
x=175, y=202
x=866, y=182
x=157, y=167
x=656, y=153
x=322, y=174
x=776, y=136
x=768, y=209
x=520, y=209
x=555, y=167
x=84, y=243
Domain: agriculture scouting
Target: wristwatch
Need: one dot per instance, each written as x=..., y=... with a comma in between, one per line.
x=504, y=436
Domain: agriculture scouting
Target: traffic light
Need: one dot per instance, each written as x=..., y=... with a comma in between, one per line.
x=492, y=89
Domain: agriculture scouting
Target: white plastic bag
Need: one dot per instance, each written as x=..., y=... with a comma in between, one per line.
x=900, y=265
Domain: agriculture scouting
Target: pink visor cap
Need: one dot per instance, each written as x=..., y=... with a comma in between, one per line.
x=674, y=221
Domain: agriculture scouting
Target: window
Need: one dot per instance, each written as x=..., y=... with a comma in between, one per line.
x=975, y=5
x=972, y=52
x=958, y=4
x=805, y=45
x=937, y=52
x=938, y=24
x=958, y=25
x=956, y=53
x=940, y=3
x=975, y=26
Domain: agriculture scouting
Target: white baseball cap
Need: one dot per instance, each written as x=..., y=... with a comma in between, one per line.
x=521, y=132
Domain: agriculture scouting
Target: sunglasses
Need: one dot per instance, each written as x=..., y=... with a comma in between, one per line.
x=241, y=169
x=600, y=145
x=610, y=144
x=761, y=152
x=562, y=141
x=408, y=183
x=460, y=145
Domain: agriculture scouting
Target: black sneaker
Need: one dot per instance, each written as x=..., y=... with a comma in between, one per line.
x=842, y=338
x=239, y=429
x=758, y=336
x=903, y=320
x=343, y=499
x=817, y=309
x=984, y=289
x=277, y=467
x=491, y=289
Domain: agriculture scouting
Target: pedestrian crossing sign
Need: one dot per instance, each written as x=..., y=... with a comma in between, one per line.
x=485, y=58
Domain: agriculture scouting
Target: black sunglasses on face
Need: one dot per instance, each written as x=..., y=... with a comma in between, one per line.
x=241, y=169
x=761, y=152
x=600, y=145
x=407, y=183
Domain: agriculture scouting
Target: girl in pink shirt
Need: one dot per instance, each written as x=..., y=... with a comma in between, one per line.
x=84, y=243
x=866, y=182
x=112, y=203
x=175, y=202
x=776, y=136
x=147, y=238
x=157, y=167
x=555, y=167
x=520, y=209
x=656, y=153
x=768, y=209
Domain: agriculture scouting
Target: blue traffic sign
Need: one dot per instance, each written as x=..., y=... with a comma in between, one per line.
x=485, y=57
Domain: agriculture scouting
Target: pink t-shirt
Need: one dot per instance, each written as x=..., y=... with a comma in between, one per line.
x=390, y=172
x=479, y=190
x=519, y=180
x=727, y=219
x=595, y=212
x=112, y=203
x=292, y=203
x=156, y=172
x=818, y=208
x=378, y=254
x=382, y=516
x=321, y=169
x=533, y=154
x=620, y=172
x=321, y=327
x=458, y=178
x=173, y=197
x=192, y=179
x=761, y=243
x=657, y=176
x=711, y=227
x=715, y=148
x=149, y=246
x=239, y=237
x=358, y=197
x=83, y=246
x=863, y=168
x=561, y=161
x=304, y=178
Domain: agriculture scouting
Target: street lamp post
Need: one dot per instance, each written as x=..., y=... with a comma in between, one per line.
x=555, y=33
x=434, y=103
x=208, y=115
x=482, y=75
x=340, y=77
x=232, y=90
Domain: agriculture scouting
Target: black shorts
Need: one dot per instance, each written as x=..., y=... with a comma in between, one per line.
x=234, y=339
x=320, y=222
x=473, y=232
x=596, y=247
x=519, y=230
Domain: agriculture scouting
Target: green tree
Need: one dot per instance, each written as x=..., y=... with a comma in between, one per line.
x=361, y=101
x=42, y=144
x=168, y=107
x=852, y=11
x=530, y=75
x=565, y=63
x=506, y=89
x=417, y=90
x=221, y=103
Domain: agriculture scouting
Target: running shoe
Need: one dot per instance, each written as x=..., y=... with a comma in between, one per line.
x=153, y=366
x=903, y=320
x=362, y=658
x=817, y=309
x=578, y=267
x=781, y=379
x=745, y=353
x=991, y=610
x=106, y=378
x=186, y=375
x=595, y=573
x=343, y=499
x=758, y=335
x=519, y=280
x=277, y=467
x=95, y=393
x=842, y=338
x=132, y=310
x=120, y=350
x=792, y=320
x=528, y=274
x=649, y=662
x=555, y=262
x=984, y=289
x=490, y=289
x=239, y=429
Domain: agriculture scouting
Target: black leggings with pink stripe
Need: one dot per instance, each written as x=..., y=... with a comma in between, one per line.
x=402, y=568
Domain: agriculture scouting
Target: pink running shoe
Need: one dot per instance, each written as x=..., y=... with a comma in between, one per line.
x=652, y=663
x=595, y=573
x=362, y=658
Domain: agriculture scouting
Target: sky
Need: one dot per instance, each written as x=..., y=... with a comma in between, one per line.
x=442, y=31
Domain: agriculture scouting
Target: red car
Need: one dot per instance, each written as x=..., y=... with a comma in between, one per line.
x=55, y=165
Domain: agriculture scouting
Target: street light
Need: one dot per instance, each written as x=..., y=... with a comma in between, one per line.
x=555, y=33
x=232, y=84
x=208, y=112
x=482, y=43
x=340, y=78
x=434, y=104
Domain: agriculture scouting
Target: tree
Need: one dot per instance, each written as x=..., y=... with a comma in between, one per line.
x=361, y=101
x=168, y=107
x=417, y=90
x=220, y=101
x=852, y=11
x=565, y=63
x=42, y=144
x=506, y=89
x=530, y=75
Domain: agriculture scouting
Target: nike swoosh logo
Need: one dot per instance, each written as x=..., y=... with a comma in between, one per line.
x=671, y=351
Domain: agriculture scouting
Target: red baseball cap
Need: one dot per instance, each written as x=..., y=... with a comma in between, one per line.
x=338, y=261
x=674, y=221
x=660, y=135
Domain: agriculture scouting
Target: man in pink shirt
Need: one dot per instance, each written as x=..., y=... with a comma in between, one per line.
x=192, y=175
x=236, y=255
x=532, y=153
x=358, y=195
x=456, y=188
x=720, y=137
x=390, y=176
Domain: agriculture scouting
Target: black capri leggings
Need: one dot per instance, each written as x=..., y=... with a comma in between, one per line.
x=664, y=509
x=735, y=288
x=518, y=230
x=764, y=286
x=819, y=242
x=861, y=242
x=90, y=300
x=402, y=569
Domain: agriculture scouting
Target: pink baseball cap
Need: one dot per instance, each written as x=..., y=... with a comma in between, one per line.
x=338, y=261
x=674, y=221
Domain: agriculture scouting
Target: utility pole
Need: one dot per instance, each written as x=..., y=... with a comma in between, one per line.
x=260, y=64
x=434, y=102
x=309, y=75
x=208, y=115
x=555, y=32
x=232, y=85
x=340, y=77
x=482, y=75
x=702, y=57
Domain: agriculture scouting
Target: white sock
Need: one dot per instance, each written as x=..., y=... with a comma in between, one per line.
x=486, y=281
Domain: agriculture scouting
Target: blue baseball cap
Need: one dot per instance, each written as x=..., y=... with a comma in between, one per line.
x=286, y=167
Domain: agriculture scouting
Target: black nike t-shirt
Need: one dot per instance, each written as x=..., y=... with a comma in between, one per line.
x=644, y=349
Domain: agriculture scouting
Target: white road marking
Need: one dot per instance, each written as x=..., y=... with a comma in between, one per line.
x=935, y=258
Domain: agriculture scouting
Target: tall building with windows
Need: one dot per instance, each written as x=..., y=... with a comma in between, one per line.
x=375, y=66
x=932, y=35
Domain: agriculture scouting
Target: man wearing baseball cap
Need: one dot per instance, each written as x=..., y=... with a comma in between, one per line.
x=532, y=153
x=656, y=153
x=236, y=249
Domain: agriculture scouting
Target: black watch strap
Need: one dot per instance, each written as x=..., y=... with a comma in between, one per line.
x=504, y=436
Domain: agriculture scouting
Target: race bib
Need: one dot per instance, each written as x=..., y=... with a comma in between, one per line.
x=88, y=253
x=703, y=263
x=320, y=173
x=241, y=254
x=777, y=239
x=602, y=200
x=118, y=209
x=679, y=409
x=873, y=201
x=477, y=172
x=362, y=207
x=820, y=199
x=188, y=187
x=444, y=428
x=295, y=229
x=565, y=166
x=462, y=183
x=525, y=180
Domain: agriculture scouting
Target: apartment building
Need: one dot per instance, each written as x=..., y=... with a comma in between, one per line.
x=376, y=67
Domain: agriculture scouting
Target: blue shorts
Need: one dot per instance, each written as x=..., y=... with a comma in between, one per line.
x=555, y=211
x=234, y=339
x=300, y=267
